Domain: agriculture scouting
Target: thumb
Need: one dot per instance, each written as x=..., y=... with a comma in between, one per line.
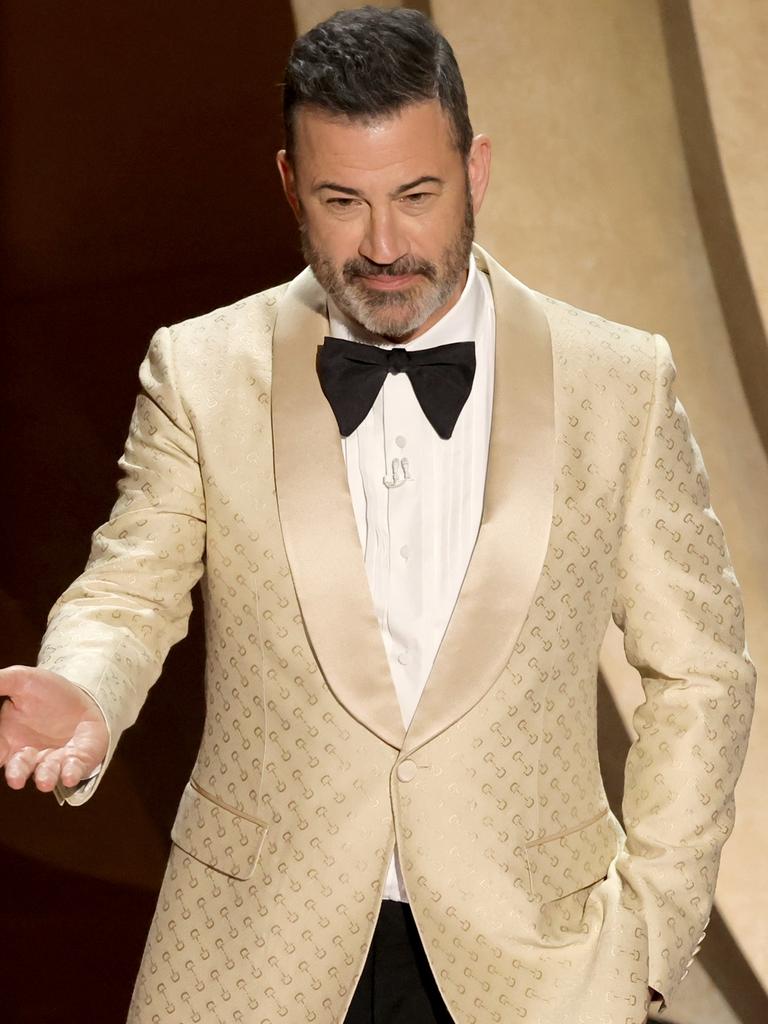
x=12, y=680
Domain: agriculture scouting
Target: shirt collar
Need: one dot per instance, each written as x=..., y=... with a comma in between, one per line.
x=460, y=323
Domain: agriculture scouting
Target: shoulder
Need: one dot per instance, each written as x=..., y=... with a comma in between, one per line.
x=250, y=319
x=612, y=365
x=581, y=335
x=215, y=351
x=212, y=349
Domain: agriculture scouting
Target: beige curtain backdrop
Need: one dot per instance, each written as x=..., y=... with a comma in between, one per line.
x=629, y=177
x=307, y=13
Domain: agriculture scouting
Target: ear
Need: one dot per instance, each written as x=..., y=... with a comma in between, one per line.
x=479, y=169
x=288, y=178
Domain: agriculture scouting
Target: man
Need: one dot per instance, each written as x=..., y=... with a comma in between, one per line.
x=416, y=493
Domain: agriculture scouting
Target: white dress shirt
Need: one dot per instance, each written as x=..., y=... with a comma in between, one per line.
x=418, y=499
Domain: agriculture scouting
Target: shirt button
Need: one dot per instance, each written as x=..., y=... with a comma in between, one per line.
x=406, y=771
x=400, y=441
x=403, y=659
x=404, y=551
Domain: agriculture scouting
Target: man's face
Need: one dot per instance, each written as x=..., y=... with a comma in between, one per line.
x=386, y=213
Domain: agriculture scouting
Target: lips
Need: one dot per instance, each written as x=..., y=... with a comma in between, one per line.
x=386, y=282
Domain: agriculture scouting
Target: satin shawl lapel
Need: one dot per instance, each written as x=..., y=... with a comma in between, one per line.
x=318, y=522
x=508, y=557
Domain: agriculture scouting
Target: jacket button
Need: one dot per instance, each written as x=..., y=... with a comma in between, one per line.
x=406, y=771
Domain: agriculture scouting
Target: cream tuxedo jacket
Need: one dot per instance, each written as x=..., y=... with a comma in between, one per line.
x=531, y=901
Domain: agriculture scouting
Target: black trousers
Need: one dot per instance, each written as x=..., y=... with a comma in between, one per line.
x=396, y=986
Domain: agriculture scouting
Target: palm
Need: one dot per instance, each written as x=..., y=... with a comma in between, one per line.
x=40, y=727
x=49, y=727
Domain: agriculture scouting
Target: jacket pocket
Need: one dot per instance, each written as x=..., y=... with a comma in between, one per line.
x=216, y=834
x=573, y=859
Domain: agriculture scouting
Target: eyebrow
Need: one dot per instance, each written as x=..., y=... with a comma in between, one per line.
x=423, y=180
x=400, y=190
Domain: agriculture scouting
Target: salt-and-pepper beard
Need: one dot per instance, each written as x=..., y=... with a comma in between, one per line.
x=370, y=307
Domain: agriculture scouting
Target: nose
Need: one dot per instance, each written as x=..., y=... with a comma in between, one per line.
x=382, y=242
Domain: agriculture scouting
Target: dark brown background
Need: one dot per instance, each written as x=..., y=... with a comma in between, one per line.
x=139, y=189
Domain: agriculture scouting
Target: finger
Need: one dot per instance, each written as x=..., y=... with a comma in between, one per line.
x=73, y=770
x=20, y=766
x=5, y=751
x=63, y=764
x=46, y=772
x=13, y=680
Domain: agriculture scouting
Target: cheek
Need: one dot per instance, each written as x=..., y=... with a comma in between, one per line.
x=336, y=239
x=431, y=236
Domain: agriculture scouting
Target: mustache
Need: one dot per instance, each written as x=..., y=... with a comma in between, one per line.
x=362, y=267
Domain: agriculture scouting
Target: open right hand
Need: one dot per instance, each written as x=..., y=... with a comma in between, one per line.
x=50, y=729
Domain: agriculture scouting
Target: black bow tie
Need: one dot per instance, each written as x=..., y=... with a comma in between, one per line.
x=351, y=375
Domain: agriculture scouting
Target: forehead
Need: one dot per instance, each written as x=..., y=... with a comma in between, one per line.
x=416, y=138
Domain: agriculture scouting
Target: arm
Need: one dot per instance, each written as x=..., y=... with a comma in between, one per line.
x=679, y=606
x=112, y=628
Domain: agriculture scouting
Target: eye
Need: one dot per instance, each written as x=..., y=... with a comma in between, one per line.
x=342, y=202
x=416, y=202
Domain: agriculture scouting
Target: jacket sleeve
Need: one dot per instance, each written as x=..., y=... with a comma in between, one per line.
x=111, y=629
x=679, y=607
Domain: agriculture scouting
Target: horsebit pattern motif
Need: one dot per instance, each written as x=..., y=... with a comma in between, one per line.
x=532, y=903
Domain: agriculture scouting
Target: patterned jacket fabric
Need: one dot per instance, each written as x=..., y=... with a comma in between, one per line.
x=532, y=902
